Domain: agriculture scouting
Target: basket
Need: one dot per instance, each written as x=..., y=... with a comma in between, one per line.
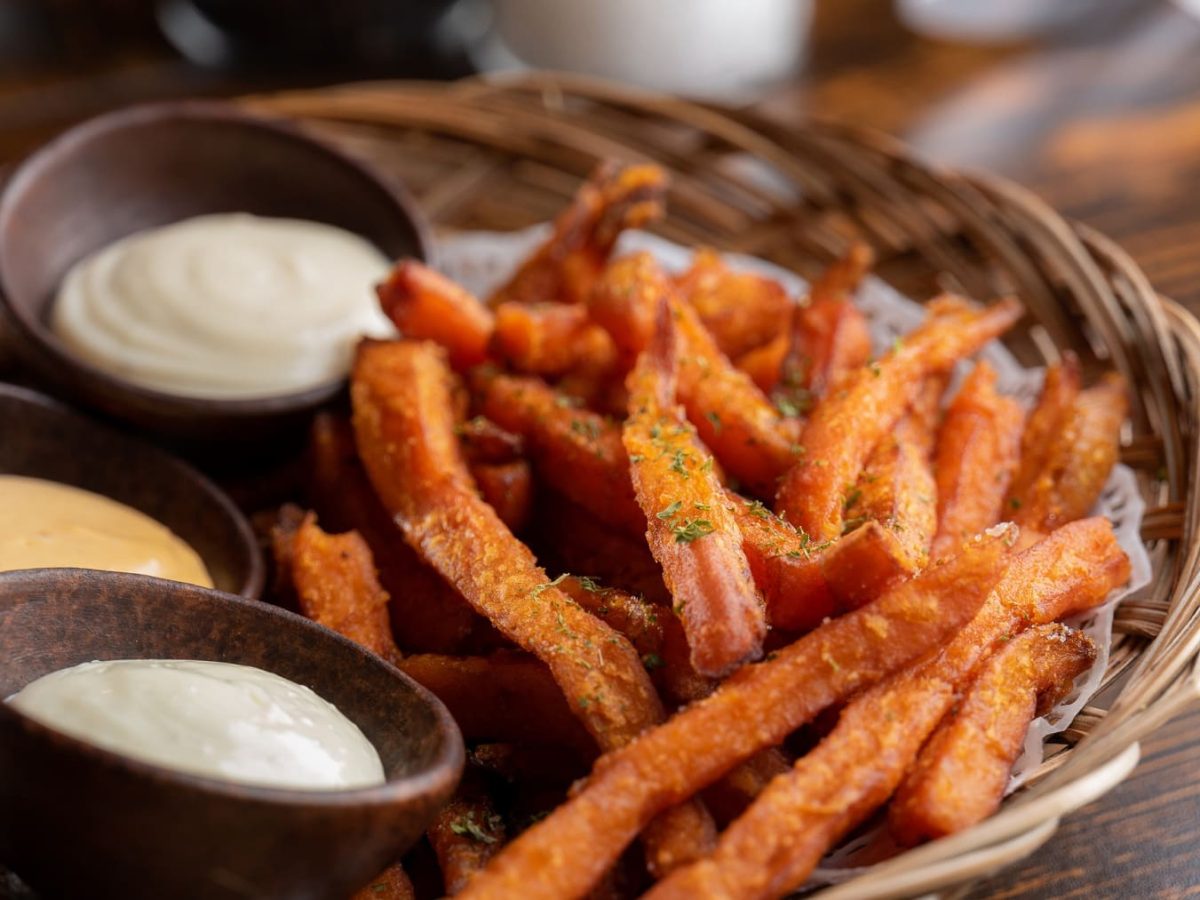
x=502, y=154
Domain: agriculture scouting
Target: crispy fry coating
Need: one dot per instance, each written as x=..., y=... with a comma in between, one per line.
x=391, y=884
x=844, y=429
x=804, y=583
x=427, y=305
x=551, y=339
x=690, y=531
x=575, y=451
x=566, y=266
x=562, y=856
x=745, y=432
x=1080, y=458
x=977, y=451
x=897, y=490
x=504, y=696
x=632, y=616
x=1044, y=425
x=405, y=429
x=483, y=441
x=405, y=433
x=764, y=364
x=572, y=539
x=334, y=577
x=960, y=776
x=508, y=489
x=829, y=337
x=729, y=797
x=741, y=310
x=775, y=845
x=467, y=832
x=625, y=302
x=427, y=614
x=654, y=632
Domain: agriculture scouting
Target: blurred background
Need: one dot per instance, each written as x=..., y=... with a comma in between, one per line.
x=1094, y=104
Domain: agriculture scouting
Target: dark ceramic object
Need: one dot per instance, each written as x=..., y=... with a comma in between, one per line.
x=44, y=439
x=76, y=821
x=147, y=166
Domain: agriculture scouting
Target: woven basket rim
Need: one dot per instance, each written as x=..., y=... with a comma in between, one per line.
x=944, y=216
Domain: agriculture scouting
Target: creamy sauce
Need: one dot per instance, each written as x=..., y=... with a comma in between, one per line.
x=44, y=524
x=235, y=723
x=224, y=306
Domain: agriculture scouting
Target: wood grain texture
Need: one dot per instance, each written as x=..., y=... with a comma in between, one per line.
x=1103, y=123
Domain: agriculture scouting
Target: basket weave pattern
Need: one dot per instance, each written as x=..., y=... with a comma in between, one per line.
x=504, y=154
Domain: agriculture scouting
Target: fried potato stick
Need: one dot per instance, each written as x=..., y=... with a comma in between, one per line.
x=690, y=531
x=427, y=614
x=405, y=429
x=828, y=339
x=804, y=583
x=1079, y=459
x=577, y=452
x=508, y=489
x=483, y=441
x=391, y=884
x=427, y=305
x=977, y=451
x=1045, y=423
x=654, y=632
x=632, y=616
x=897, y=490
x=777, y=843
x=504, y=696
x=551, y=339
x=572, y=539
x=565, y=267
x=741, y=310
x=751, y=439
x=565, y=854
x=746, y=433
x=843, y=430
x=764, y=364
x=465, y=834
x=960, y=775
x=773, y=847
x=335, y=582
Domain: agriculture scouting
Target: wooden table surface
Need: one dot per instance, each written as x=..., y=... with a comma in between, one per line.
x=1104, y=124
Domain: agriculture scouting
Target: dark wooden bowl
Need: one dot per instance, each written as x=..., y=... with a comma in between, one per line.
x=151, y=165
x=77, y=821
x=42, y=438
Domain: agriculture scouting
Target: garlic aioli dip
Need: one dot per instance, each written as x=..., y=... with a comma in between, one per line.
x=236, y=723
x=224, y=306
x=44, y=524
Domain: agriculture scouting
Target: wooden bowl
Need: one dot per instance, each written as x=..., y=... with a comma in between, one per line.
x=41, y=438
x=78, y=821
x=151, y=165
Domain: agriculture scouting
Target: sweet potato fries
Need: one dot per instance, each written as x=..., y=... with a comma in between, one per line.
x=638, y=528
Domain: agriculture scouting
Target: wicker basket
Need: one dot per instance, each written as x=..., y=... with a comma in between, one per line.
x=505, y=154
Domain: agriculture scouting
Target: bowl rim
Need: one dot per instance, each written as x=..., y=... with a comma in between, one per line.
x=78, y=136
x=447, y=764
x=256, y=574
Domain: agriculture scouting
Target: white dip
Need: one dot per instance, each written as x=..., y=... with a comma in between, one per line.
x=222, y=720
x=224, y=306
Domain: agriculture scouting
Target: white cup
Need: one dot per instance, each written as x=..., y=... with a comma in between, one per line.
x=715, y=48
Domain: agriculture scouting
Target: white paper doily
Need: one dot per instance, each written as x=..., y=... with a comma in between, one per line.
x=482, y=260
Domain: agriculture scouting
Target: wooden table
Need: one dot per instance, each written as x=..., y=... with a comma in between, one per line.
x=1105, y=125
